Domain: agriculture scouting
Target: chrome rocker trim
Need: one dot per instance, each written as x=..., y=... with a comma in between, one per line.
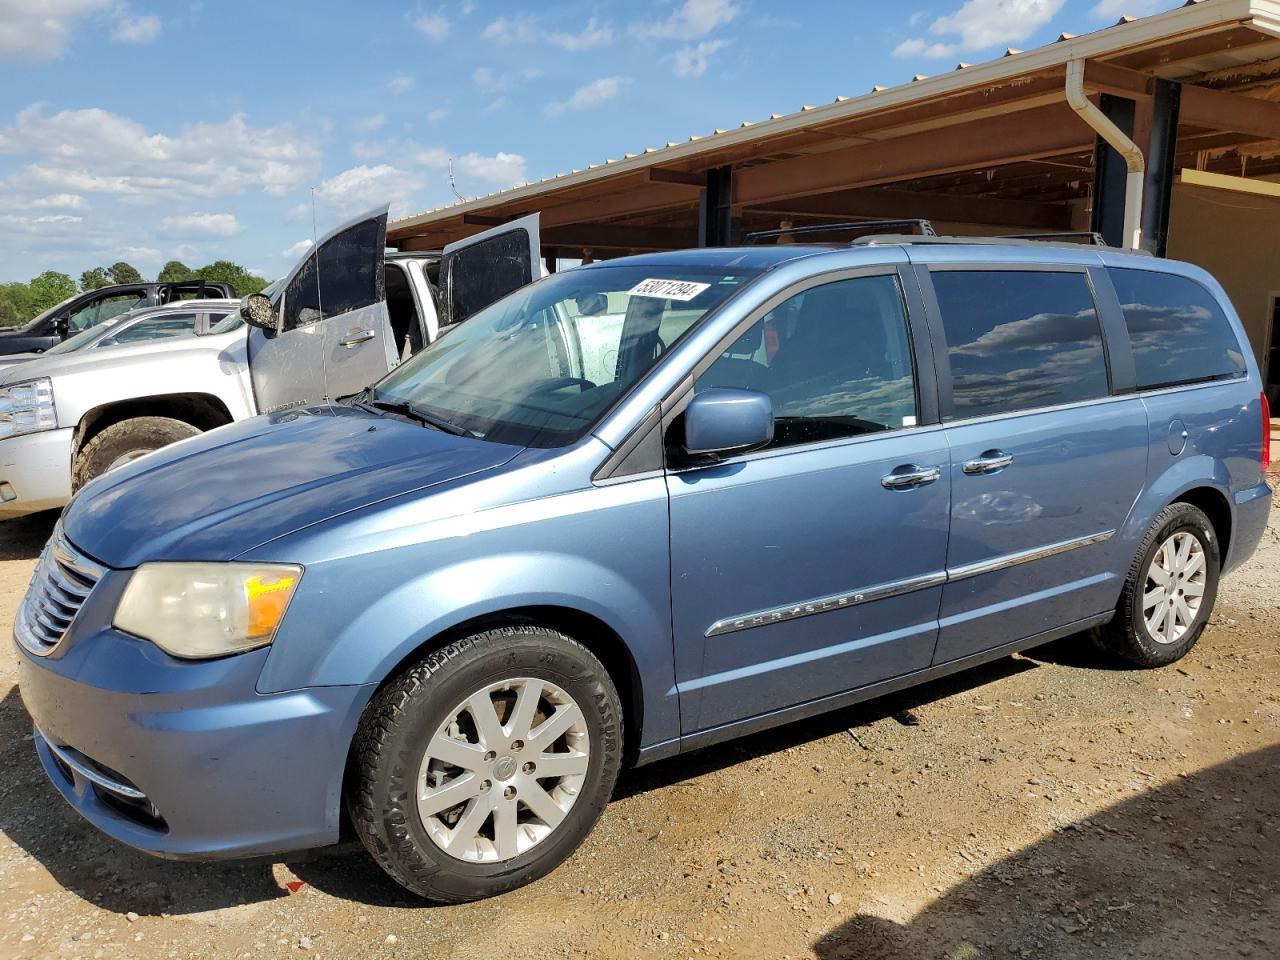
x=841, y=601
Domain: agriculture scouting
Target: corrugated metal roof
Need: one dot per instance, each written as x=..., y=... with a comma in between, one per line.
x=1194, y=16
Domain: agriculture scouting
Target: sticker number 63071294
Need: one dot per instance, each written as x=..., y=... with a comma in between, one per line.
x=668, y=289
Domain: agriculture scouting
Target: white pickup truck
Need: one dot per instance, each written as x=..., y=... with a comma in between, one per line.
x=345, y=315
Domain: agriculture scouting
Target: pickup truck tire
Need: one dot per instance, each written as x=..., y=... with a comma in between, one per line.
x=455, y=807
x=124, y=441
x=1169, y=592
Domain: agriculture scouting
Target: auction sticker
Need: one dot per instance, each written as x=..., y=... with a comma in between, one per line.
x=668, y=289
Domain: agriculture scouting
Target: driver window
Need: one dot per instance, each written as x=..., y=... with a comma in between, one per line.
x=835, y=360
x=156, y=328
x=343, y=276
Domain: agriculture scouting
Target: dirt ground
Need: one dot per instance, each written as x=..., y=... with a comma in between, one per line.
x=1045, y=806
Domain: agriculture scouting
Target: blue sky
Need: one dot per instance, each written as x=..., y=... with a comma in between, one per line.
x=146, y=131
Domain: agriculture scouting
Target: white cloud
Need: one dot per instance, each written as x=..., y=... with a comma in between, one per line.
x=296, y=250
x=589, y=96
x=524, y=29
x=375, y=121
x=506, y=30
x=433, y=26
x=594, y=34
x=361, y=187
x=95, y=151
x=56, y=201
x=438, y=114
x=201, y=224
x=401, y=83
x=981, y=24
x=692, y=61
x=140, y=254
x=489, y=81
x=140, y=30
x=1115, y=9
x=500, y=169
x=38, y=31
x=695, y=18
x=33, y=224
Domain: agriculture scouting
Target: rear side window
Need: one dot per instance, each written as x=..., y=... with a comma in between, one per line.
x=1178, y=331
x=1020, y=339
x=486, y=272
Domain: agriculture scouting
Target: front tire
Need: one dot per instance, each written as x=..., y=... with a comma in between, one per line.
x=1169, y=593
x=122, y=442
x=484, y=765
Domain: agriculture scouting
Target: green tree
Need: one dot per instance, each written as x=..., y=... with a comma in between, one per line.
x=244, y=282
x=94, y=279
x=121, y=272
x=175, y=270
x=15, y=304
x=50, y=288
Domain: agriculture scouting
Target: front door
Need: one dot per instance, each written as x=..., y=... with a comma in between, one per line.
x=334, y=337
x=814, y=566
x=1046, y=460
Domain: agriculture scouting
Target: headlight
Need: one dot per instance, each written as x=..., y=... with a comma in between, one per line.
x=201, y=610
x=27, y=407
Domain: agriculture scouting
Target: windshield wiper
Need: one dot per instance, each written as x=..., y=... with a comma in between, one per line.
x=407, y=409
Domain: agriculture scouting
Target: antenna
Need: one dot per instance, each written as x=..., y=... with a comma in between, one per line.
x=452, y=184
x=315, y=252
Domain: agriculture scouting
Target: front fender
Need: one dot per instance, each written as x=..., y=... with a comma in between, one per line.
x=357, y=618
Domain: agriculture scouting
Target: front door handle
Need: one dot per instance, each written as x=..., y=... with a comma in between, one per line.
x=357, y=337
x=989, y=462
x=910, y=475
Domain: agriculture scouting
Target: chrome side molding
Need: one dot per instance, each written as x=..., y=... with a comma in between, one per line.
x=882, y=591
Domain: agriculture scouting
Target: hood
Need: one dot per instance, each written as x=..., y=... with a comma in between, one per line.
x=218, y=495
x=15, y=358
x=124, y=354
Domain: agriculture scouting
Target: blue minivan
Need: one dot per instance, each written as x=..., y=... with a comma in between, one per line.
x=634, y=509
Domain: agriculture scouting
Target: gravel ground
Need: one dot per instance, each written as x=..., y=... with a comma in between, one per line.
x=1044, y=806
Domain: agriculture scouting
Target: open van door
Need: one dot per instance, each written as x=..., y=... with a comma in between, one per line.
x=483, y=269
x=333, y=335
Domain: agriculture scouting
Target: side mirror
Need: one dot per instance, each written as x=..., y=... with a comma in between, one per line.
x=258, y=311
x=722, y=422
x=61, y=328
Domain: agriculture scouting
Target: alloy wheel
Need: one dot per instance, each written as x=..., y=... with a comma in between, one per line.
x=1175, y=585
x=503, y=770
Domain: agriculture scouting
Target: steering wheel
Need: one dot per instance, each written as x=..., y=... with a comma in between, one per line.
x=557, y=383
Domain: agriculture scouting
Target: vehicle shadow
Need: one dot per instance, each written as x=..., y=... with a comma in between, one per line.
x=25, y=537
x=1189, y=869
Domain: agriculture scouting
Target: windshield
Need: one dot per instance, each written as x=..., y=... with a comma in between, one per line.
x=538, y=367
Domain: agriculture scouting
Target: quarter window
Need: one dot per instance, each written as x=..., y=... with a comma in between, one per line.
x=1020, y=339
x=1177, y=329
x=834, y=359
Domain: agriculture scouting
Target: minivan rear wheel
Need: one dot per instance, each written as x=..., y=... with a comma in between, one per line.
x=485, y=765
x=1170, y=590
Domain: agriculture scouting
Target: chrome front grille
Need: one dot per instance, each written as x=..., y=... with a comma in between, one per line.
x=63, y=580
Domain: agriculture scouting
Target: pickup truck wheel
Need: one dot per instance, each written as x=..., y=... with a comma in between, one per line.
x=1169, y=593
x=483, y=766
x=125, y=441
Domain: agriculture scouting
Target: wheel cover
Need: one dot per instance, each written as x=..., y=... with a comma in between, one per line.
x=503, y=770
x=1175, y=583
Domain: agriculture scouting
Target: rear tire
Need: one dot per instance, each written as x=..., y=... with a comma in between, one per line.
x=1169, y=593
x=122, y=442
x=455, y=807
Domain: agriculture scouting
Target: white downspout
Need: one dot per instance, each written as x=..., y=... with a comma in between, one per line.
x=1123, y=145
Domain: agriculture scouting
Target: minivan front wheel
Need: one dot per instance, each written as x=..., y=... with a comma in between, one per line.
x=484, y=765
x=1170, y=590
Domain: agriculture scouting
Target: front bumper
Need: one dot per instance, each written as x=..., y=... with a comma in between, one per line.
x=185, y=759
x=35, y=472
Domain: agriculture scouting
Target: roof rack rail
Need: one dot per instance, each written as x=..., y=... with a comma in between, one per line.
x=924, y=226
x=1030, y=240
x=1091, y=237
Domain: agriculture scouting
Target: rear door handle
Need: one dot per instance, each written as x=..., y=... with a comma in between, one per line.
x=357, y=337
x=910, y=475
x=989, y=462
